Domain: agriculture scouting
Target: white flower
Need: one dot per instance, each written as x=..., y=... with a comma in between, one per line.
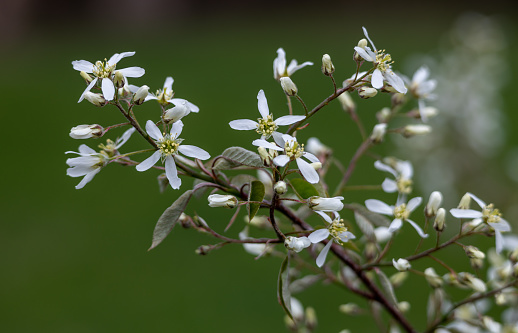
x=104, y=71
x=316, y=147
x=383, y=63
x=401, y=213
x=422, y=89
x=434, y=203
x=168, y=146
x=296, y=244
x=378, y=132
x=336, y=229
x=265, y=126
x=292, y=151
x=221, y=200
x=418, y=129
x=402, y=171
x=90, y=162
x=326, y=204
x=488, y=215
x=165, y=95
x=433, y=279
x=401, y=264
x=279, y=65
x=86, y=131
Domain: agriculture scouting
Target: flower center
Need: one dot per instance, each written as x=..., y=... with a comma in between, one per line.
x=383, y=60
x=404, y=185
x=490, y=214
x=163, y=96
x=266, y=126
x=109, y=149
x=336, y=228
x=168, y=146
x=293, y=149
x=401, y=212
x=102, y=70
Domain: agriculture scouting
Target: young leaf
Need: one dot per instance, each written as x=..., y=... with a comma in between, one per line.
x=303, y=188
x=283, y=290
x=169, y=217
x=374, y=218
x=235, y=156
x=256, y=194
x=387, y=286
x=365, y=226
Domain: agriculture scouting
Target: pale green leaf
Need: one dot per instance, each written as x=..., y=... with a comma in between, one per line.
x=303, y=189
x=283, y=290
x=236, y=156
x=167, y=221
x=256, y=193
x=387, y=287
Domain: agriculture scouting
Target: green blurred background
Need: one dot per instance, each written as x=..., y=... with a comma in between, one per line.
x=76, y=260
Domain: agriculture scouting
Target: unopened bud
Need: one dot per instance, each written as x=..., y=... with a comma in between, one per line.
x=433, y=279
x=401, y=264
x=419, y=129
x=86, y=77
x=514, y=255
x=403, y=306
x=346, y=101
x=176, y=113
x=203, y=250
x=118, y=79
x=316, y=165
x=326, y=204
x=311, y=318
x=219, y=200
x=378, y=132
x=397, y=279
x=471, y=281
x=350, y=309
x=296, y=244
x=366, y=92
x=163, y=182
x=440, y=217
x=476, y=263
x=464, y=202
x=288, y=86
x=86, y=131
x=362, y=43
x=280, y=187
x=434, y=202
x=473, y=252
x=327, y=65
x=429, y=112
x=95, y=99
x=265, y=156
x=371, y=250
x=383, y=115
x=141, y=95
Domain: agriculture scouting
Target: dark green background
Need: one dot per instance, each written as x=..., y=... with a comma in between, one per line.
x=76, y=260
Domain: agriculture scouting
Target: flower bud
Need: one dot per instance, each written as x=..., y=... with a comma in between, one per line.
x=86, y=77
x=204, y=250
x=440, y=217
x=163, y=182
x=476, y=263
x=311, y=318
x=326, y=204
x=491, y=325
x=429, y=112
x=366, y=92
x=433, y=203
x=473, y=252
x=362, y=43
x=267, y=155
x=86, y=131
x=346, y=101
x=403, y=306
x=95, y=99
x=464, y=202
x=397, y=279
x=419, y=129
x=316, y=165
x=118, y=79
x=350, y=309
x=288, y=86
x=401, y=264
x=219, y=200
x=383, y=115
x=296, y=244
x=141, y=95
x=514, y=255
x=327, y=65
x=433, y=279
x=471, y=281
x=378, y=133
x=176, y=113
x=371, y=250
x=280, y=187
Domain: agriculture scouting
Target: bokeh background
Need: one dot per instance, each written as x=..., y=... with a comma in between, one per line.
x=76, y=260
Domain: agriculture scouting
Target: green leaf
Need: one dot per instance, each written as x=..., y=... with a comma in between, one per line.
x=387, y=286
x=374, y=218
x=236, y=156
x=365, y=226
x=283, y=290
x=167, y=221
x=303, y=188
x=256, y=193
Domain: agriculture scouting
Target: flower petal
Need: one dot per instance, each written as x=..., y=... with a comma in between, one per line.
x=417, y=228
x=481, y=203
x=125, y=137
x=367, y=36
x=87, y=178
x=149, y=162
x=318, y=235
x=132, y=71
x=168, y=84
x=465, y=213
x=108, y=89
x=243, y=124
x=171, y=173
x=395, y=81
x=281, y=160
x=324, y=216
x=307, y=171
x=499, y=241
x=377, y=79
x=288, y=120
x=262, y=104
x=345, y=236
x=153, y=131
x=413, y=203
x=501, y=225
x=176, y=129
x=389, y=185
x=311, y=157
x=395, y=225
x=266, y=144
x=377, y=206
x=179, y=101
x=83, y=65
x=118, y=56
x=363, y=53
x=84, y=149
x=277, y=137
x=88, y=88
x=279, y=64
x=323, y=254
x=383, y=167
x=293, y=67
x=193, y=151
